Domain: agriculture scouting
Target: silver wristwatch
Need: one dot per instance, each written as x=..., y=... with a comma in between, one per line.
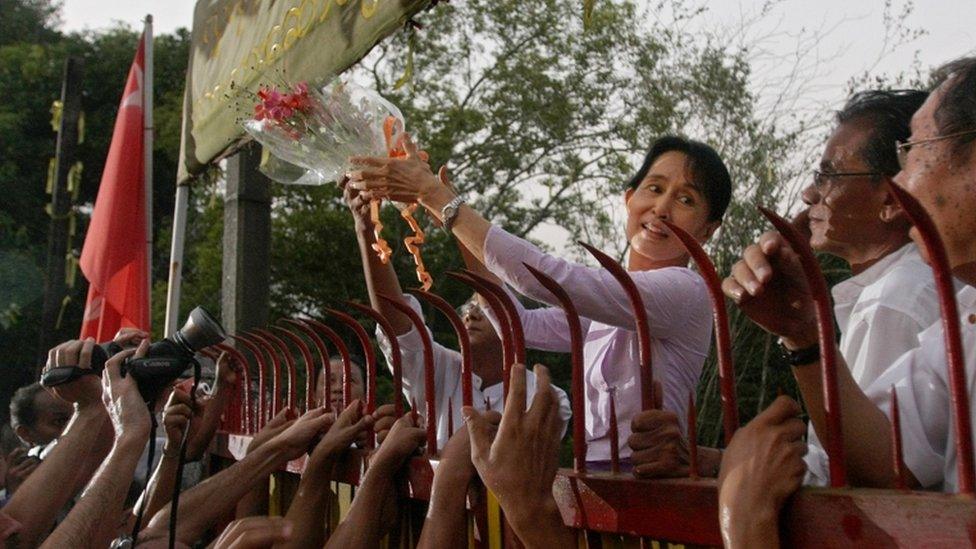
x=450, y=212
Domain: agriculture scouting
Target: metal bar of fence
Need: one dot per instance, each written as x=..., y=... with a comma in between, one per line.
x=323, y=353
x=340, y=346
x=464, y=340
x=290, y=367
x=396, y=357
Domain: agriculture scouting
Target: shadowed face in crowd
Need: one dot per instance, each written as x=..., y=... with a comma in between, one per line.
x=666, y=192
x=335, y=378
x=480, y=330
x=51, y=417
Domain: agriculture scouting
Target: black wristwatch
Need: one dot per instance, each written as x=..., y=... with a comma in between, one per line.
x=801, y=357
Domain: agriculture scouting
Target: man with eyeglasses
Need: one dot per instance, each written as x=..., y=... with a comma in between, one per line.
x=891, y=295
x=486, y=346
x=938, y=167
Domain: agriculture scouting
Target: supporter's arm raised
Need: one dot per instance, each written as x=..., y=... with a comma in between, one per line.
x=446, y=523
x=769, y=286
x=519, y=465
x=309, y=504
x=97, y=516
x=206, y=417
x=374, y=509
x=85, y=440
x=202, y=505
x=762, y=466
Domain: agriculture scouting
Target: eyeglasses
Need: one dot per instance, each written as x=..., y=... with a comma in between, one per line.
x=822, y=179
x=902, y=147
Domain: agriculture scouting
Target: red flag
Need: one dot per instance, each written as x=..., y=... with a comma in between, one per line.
x=114, y=256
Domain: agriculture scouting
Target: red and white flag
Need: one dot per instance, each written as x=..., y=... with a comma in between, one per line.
x=114, y=257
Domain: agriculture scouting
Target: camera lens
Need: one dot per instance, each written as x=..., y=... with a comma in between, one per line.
x=200, y=331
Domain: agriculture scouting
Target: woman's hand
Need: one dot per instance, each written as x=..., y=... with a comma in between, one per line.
x=407, y=179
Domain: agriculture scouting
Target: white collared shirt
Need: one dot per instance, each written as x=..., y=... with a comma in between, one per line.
x=880, y=312
x=447, y=380
x=920, y=378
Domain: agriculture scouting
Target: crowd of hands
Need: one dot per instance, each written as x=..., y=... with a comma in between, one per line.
x=514, y=454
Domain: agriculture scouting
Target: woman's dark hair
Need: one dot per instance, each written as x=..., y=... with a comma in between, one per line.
x=889, y=115
x=22, y=408
x=706, y=171
x=957, y=108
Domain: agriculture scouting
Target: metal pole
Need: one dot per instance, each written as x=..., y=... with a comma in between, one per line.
x=147, y=152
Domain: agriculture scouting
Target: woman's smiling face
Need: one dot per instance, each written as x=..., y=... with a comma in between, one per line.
x=667, y=193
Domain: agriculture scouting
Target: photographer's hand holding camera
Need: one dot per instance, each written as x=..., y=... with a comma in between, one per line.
x=62, y=474
x=97, y=516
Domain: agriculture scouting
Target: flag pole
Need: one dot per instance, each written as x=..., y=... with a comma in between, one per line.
x=147, y=155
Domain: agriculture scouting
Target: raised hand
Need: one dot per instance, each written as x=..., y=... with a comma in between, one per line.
x=404, y=438
x=297, y=439
x=254, y=533
x=346, y=429
x=86, y=391
x=126, y=409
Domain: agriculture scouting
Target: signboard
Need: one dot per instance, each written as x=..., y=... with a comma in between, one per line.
x=239, y=45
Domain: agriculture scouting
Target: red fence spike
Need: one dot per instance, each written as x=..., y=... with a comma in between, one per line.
x=369, y=355
x=464, y=341
x=723, y=338
x=614, y=434
x=266, y=346
x=262, y=407
x=396, y=357
x=505, y=327
x=309, y=364
x=958, y=393
x=413, y=410
x=246, y=418
x=340, y=345
x=450, y=417
x=429, y=394
x=640, y=319
x=896, y=448
x=692, y=437
x=576, y=346
x=834, y=445
x=323, y=365
x=290, y=367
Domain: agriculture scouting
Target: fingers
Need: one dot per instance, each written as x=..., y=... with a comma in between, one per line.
x=650, y=421
x=733, y=290
x=771, y=243
x=782, y=409
x=408, y=145
x=757, y=261
x=744, y=275
x=481, y=432
x=113, y=367
x=84, y=357
x=515, y=405
x=658, y=395
x=375, y=161
x=142, y=349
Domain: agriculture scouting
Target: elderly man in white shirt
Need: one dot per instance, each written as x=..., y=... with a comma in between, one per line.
x=938, y=164
x=486, y=347
x=891, y=296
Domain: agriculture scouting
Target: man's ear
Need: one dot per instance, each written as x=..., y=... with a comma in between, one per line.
x=891, y=211
x=23, y=433
x=709, y=230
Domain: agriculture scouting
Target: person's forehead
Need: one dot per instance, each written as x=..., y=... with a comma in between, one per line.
x=846, y=143
x=45, y=402
x=673, y=167
x=924, y=118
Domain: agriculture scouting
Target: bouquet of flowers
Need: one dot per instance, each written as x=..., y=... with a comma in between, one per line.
x=313, y=133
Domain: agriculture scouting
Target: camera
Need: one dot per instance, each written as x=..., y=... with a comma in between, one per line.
x=163, y=363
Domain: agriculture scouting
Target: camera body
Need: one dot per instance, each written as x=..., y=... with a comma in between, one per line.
x=163, y=363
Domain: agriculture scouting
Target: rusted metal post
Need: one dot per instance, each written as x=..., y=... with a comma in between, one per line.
x=505, y=327
x=834, y=444
x=464, y=341
x=576, y=348
x=323, y=359
x=262, y=374
x=429, y=390
x=640, y=319
x=958, y=393
x=396, y=358
x=692, y=437
x=290, y=367
x=896, y=448
x=266, y=346
x=309, y=364
x=614, y=433
x=340, y=345
x=723, y=339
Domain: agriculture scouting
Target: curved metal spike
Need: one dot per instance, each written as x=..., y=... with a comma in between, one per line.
x=576, y=348
x=368, y=354
x=429, y=388
x=266, y=346
x=614, y=434
x=723, y=339
x=896, y=447
x=323, y=360
x=464, y=341
x=505, y=327
x=396, y=357
x=309, y=364
x=332, y=336
x=289, y=364
x=692, y=436
x=958, y=393
x=834, y=445
x=245, y=385
x=640, y=320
